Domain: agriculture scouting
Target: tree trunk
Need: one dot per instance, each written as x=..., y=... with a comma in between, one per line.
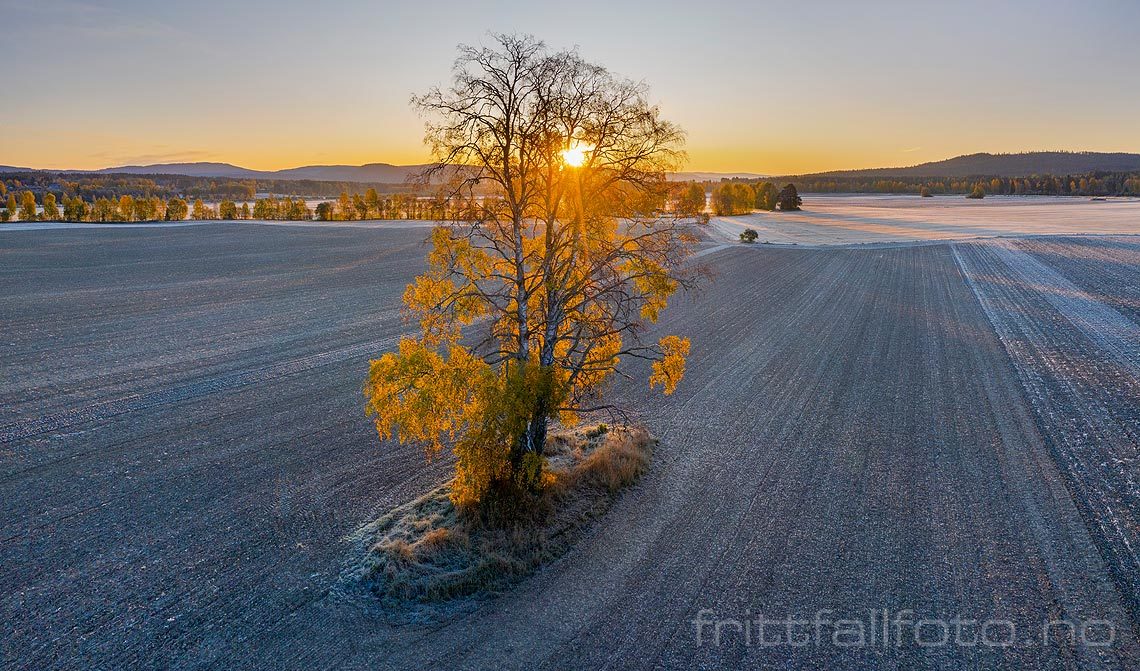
x=536, y=429
x=532, y=441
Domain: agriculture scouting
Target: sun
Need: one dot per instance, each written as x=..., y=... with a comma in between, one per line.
x=575, y=156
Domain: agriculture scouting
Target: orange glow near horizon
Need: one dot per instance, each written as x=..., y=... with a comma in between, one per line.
x=56, y=151
x=869, y=85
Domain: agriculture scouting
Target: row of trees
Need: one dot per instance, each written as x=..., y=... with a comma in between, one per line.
x=372, y=205
x=129, y=208
x=26, y=207
x=75, y=208
x=733, y=197
x=401, y=201
x=122, y=209
x=1092, y=184
x=285, y=209
x=684, y=199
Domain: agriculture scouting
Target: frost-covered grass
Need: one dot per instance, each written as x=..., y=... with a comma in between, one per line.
x=428, y=553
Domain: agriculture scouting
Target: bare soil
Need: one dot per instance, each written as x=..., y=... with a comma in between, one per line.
x=184, y=458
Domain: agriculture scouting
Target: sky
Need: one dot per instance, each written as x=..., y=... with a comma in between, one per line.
x=773, y=88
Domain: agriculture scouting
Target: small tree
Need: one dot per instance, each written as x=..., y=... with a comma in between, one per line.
x=143, y=209
x=295, y=209
x=227, y=209
x=105, y=209
x=563, y=266
x=126, y=208
x=372, y=203
x=977, y=193
x=344, y=207
x=265, y=208
x=176, y=209
x=51, y=209
x=326, y=211
x=730, y=198
x=201, y=211
x=788, y=199
x=28, y=206
x=749, y=235
x=691, y=201
x=13, y=206
x=925, y=192
x=360, y=205
x=766, y=196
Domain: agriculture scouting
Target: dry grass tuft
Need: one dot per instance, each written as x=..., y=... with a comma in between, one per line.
x=618, y=462
x=427, y=553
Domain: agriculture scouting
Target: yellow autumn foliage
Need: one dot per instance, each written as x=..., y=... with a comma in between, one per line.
x=669, y=370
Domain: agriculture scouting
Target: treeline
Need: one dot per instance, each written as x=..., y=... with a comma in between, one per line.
x=26, y=207
x=1005, y=165
x=372, y=205
x=684, y=200
x=733, y=197
x=1091, y=184
x=110, y=186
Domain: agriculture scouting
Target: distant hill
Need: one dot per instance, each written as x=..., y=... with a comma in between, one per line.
x=1026, y=164
x=186, y=169
x=370, y=173
x=991, y=165
x=711, y=176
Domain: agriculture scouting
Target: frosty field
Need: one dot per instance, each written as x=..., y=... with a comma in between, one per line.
x=856, y=219
x=947, y=428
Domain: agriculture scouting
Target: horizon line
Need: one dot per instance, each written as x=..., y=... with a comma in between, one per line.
x=685, y=170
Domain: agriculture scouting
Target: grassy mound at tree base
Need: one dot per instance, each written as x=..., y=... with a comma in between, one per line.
x=426, y=555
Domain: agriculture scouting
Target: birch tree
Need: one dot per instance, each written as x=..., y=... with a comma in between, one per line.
x=547, y=283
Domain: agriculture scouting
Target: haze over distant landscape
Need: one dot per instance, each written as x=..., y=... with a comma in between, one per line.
x=369, y=173
x=999, y=165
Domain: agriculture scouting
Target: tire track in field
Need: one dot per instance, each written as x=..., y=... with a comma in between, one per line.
x=1109, y=330
x=1079, y=363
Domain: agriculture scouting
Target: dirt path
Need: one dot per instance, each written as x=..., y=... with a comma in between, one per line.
x=851, y=436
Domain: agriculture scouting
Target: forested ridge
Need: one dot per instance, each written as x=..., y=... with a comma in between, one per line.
x=1024, y=164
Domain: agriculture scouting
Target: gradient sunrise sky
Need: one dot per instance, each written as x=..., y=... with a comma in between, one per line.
x=762, y=87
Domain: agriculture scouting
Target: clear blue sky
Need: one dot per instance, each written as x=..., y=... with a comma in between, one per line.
x=762, y=87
